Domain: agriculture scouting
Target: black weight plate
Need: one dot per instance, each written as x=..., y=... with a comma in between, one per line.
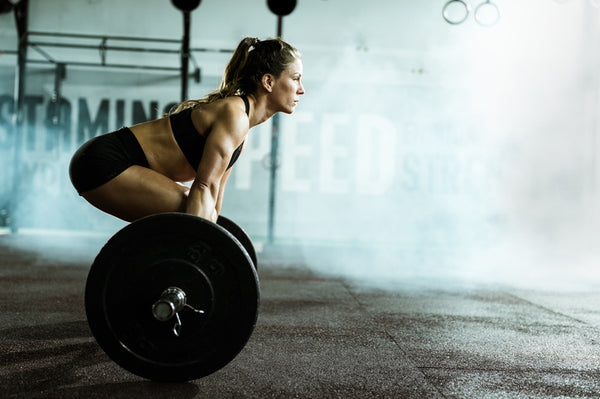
x=150, y=255
x=241, y=236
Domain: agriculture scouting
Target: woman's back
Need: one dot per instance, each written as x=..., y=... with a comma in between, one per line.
x=163, y=150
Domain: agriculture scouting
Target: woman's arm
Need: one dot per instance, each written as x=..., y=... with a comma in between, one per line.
x=228, y=131
x=222, y=191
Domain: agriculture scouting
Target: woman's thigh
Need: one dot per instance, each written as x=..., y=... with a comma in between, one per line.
x=138, y=192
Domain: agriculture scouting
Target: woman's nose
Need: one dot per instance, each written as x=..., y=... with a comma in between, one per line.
x=301, y=89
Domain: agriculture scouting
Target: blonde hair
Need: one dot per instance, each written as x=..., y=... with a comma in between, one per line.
x=251, y=60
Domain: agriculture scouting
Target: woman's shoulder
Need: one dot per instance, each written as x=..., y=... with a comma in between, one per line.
x=232, y=103
x=232, y=106
x=228, y=112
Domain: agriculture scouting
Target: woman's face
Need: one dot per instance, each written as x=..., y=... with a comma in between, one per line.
x=288, y=88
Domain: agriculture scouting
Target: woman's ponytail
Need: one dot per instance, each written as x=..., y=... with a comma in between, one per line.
x=250, y=61
x=234, y=71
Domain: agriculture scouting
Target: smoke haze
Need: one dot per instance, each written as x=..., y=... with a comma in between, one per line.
x=422, y=151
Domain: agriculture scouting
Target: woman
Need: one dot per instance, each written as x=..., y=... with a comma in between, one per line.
x=134, y=172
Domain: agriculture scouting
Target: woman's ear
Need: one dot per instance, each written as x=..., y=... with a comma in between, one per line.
x=267, y=82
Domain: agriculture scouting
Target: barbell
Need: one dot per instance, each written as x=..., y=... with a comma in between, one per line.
x=173, y=297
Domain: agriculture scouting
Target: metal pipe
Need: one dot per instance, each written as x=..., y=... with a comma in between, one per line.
x=105, y=47
x=273, y=176
x=21, y=10
x=43, y=53
x=185, y=55
x=279, y=26
x=104, y=38
x=274, y=159
x=89, y=36
x=98, y=64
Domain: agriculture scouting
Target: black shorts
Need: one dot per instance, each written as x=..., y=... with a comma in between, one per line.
x=103, y=158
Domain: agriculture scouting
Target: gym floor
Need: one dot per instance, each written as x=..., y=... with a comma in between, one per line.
x=316, y=336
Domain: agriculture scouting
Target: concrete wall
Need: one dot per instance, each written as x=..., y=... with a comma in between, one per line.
x=413, y=133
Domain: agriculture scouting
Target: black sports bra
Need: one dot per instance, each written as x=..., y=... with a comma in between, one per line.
x=191, y=142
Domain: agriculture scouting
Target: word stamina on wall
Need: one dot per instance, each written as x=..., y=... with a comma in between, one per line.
x=64, y=129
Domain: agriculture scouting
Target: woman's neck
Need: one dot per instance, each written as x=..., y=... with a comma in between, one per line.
x=259, y=110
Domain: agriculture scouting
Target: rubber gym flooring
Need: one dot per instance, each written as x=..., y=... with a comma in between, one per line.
x=317, y=336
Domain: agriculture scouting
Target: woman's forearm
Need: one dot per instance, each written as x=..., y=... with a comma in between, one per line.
x=202, y=202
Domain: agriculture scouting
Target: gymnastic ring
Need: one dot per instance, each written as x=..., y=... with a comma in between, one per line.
x=447, y=17
x=478, y=14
